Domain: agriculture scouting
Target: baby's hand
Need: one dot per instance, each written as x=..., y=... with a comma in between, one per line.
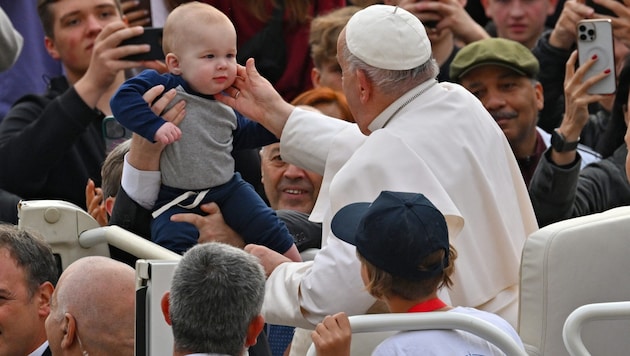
x=168, y=133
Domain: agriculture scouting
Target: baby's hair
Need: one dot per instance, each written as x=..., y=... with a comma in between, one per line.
x=180, y=19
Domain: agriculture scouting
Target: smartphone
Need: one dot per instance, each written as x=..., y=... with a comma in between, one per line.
x=151, y=36
x=595, y=37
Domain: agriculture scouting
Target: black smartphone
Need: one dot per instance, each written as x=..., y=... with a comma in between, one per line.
x=151, y=36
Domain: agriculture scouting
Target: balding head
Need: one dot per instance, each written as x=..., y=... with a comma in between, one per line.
x=92, y=308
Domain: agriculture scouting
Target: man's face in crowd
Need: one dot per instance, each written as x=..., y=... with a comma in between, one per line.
x=512, y=99
x=75, y=27
x=287, y=186
x=519, y=20
x=21, y=314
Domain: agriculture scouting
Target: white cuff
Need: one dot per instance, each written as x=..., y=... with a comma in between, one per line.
x=141, y=186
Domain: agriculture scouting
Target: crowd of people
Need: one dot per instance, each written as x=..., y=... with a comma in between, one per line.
x=436, y=115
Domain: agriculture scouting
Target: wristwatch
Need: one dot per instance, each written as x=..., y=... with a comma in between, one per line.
x=559, y=143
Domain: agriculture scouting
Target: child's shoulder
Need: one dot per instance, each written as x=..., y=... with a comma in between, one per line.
x=152, y=73
x=151, y=77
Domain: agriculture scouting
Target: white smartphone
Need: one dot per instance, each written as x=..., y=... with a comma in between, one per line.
x=595, y=37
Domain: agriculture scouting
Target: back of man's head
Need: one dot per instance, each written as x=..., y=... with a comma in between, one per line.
x=217, y=291
x=111, y=172
x=98, y=294
x=391, y=46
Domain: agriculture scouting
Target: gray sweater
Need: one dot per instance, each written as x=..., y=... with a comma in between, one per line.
x=202, y=157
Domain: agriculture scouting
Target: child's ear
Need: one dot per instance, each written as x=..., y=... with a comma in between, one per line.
x=109, y=205
x=172, y=63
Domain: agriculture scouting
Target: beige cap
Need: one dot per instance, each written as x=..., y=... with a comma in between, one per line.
x=388, y=37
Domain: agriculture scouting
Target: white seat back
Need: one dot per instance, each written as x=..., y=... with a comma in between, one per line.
x=566, y=265
x=433, y=321
x=153, y=335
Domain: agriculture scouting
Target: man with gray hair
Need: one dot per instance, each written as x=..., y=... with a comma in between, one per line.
x=92, y=310
x=215, y=300
x=28, y=273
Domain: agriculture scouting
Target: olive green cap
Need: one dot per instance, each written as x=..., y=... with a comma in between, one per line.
x=494, y=51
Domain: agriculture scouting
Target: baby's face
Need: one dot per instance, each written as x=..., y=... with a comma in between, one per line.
x=208, y=60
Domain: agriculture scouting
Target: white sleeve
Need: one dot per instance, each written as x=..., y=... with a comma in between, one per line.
x=141, y=186
x=11, y=42
x=302, y=294
x=307, y=139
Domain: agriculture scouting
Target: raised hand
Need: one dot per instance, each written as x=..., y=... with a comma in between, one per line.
x=253, y=96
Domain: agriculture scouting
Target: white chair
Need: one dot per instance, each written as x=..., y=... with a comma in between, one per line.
x=569, y=264
x=432, y=321
x=73, y=233
x=572, y=330
x=153, y=335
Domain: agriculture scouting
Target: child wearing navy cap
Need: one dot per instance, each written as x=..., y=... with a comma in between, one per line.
x=403, y=245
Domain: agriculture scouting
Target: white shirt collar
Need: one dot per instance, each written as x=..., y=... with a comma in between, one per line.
x=381, y=120
x=40, y=350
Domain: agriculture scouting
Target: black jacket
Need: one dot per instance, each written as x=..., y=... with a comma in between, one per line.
x=559, y=193
x=50, y=145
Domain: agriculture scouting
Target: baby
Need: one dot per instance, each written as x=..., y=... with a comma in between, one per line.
x=197, y=166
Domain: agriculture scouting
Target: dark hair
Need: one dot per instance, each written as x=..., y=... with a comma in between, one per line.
x=32, y=254
x=613, y=135
x=46, y=15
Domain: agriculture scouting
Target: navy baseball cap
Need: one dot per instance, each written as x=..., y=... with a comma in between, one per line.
x=395, y=233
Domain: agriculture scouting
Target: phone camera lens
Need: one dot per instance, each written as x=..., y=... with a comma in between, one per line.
x=591, y=32
x=582, y=28
x=583, y=37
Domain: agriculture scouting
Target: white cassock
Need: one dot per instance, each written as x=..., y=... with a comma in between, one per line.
x=437, y=140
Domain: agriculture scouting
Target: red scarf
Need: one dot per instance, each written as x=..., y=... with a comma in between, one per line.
x=427, y=306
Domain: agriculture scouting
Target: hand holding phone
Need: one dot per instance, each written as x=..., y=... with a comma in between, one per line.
x=151, y=36
x=137, y=12
x=595, y=38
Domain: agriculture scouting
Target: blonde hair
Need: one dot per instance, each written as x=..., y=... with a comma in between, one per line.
x=185, y=14
x=324, y=32
x=381, y=284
